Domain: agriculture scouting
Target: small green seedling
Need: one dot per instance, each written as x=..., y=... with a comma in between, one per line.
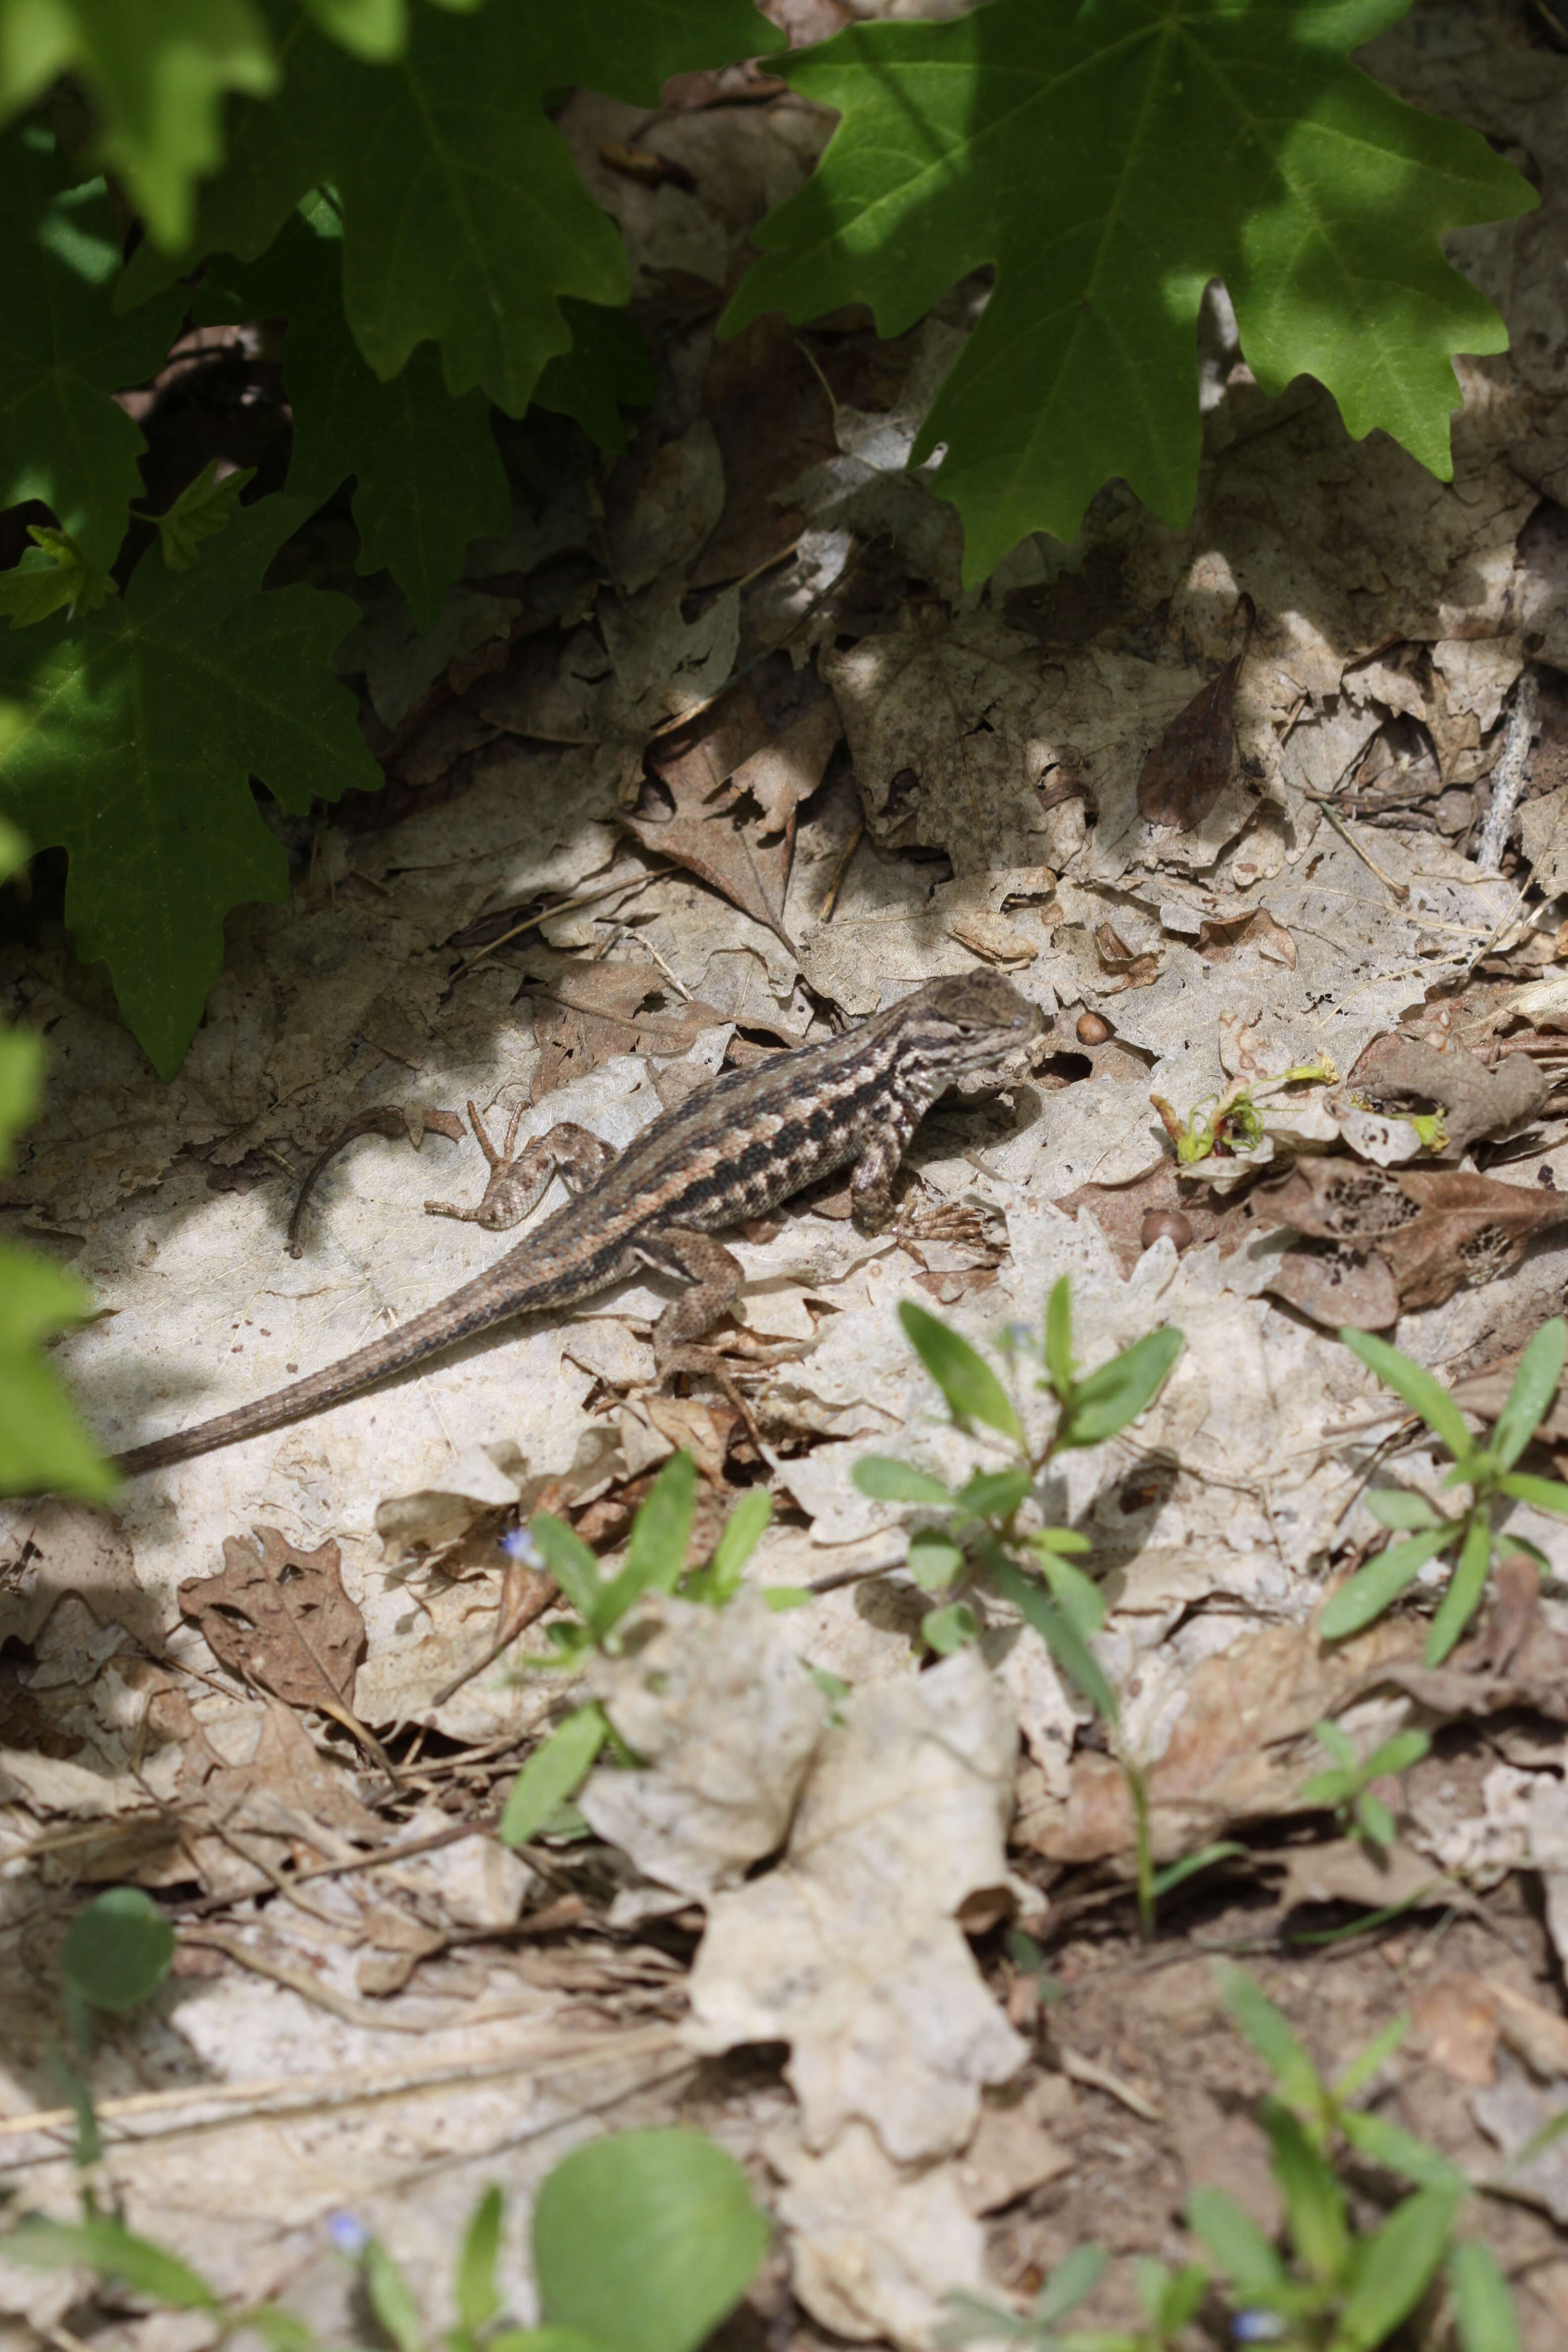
x=655, y=1562
x=1349, y=1788
x=979, y=1537
x=1170, y=2300
x=642, y=2241
x=1236, y=1126
x=1336, y=2288
x=117, y=1952
x=980, y=1530
x=1487, y=1469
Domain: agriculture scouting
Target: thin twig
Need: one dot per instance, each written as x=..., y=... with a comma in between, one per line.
x=389, y=2080
x=839, y=871
x=564, y=907
x=1399, y=890
x=1096, y=2077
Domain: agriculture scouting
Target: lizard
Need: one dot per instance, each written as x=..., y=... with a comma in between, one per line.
x=731, y=1152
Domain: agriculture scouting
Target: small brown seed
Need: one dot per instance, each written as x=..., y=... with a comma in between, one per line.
x=1160, y=1224
x=1091, y=1029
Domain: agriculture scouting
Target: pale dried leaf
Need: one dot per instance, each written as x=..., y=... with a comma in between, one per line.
x=724, y=1723
x=877, y=2246
x=849, y=1950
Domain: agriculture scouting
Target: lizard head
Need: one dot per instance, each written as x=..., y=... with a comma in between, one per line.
x=973, y=1021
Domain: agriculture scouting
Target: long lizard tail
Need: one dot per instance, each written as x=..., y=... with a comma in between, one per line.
x=474, y=1308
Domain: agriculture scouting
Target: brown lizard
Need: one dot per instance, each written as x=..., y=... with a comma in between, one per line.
x=731, y=1152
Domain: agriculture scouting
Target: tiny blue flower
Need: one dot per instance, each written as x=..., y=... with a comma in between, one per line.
x=347, y=2234
x=518, y=1544
x=1257, y=2327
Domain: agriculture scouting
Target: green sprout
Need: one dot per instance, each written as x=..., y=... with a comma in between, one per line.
x=655, y=1562
x=979, y=1539
x=1236, y=1125
x=1169, y=2298
x=1348, y=1790
x=1487, y=1469
x=1337, y=2288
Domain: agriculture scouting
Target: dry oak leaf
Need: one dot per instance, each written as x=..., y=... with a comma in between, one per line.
x=288, y=1790
x=1536, y=1683
x=1335, y=1285
x=1189, y=767
x=876, y=2247
x=1239, y=1753
x=789, y=769
x=1461, y=2019
x=1349, y=1870
x=746, y=862
x=1433, y=1227
x=850, y=1951
x=280, y=1618
x=725, y=1723
x=1475, y=1100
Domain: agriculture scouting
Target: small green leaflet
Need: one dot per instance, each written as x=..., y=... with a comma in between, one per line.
x=972, y=1389
x=645, y=2239
x=607, y=369
x=464, y=220
x=53, y=576
x=202, y=510
x=64, y=351
x=105, y=2245
x=551, y=1774
x=155, y=75
x=43, y=1448
x=117, y=1951
x=1110, y=159
x=143, y=724
x=373, y=30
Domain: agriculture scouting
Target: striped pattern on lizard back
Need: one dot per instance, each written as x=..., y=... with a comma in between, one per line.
x=731, y=1151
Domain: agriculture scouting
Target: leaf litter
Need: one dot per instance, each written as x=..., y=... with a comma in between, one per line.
x=605, y=879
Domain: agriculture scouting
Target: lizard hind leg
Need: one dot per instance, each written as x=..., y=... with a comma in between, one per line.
x=715, y=1278
x=513, y=1186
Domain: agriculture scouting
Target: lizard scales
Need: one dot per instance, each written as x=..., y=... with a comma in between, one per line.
x=731, y=1152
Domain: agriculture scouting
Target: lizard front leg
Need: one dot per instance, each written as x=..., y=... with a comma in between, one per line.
x=871, y=1184
x=567, y=1150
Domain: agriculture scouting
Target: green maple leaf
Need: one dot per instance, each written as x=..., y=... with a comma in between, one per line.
x=141, y=725
x=464, y=222
x=429, y=476
x=64, y=351
x=1109, y=159
x=607, y=369
x=42, y=1445
x=155, y=72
